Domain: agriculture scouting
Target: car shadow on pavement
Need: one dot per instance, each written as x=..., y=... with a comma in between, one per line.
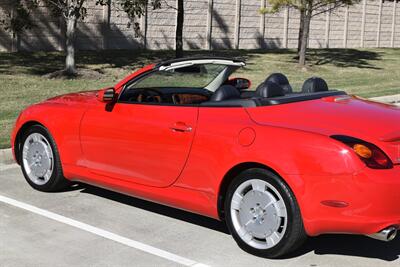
x=156, y=208
x=350, y=245
x=338, y=244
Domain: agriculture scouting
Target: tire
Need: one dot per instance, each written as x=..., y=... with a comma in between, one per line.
x=40, y=161
x=262, y=214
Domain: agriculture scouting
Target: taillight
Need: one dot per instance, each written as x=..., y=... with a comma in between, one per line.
x=369, y=153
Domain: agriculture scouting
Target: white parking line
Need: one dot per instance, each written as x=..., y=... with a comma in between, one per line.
x=103, y=233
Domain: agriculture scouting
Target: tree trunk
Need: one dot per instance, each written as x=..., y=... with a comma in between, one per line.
x=179, y=30
x=301, y=29
x=304, y=39
x=70, y=67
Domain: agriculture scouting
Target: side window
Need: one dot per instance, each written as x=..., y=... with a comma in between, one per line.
x=182, y=86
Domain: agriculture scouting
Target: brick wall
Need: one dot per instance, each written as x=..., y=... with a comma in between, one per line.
x=213, y=24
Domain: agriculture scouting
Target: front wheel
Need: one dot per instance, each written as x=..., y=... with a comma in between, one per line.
x=262, y=214
x=40, y=161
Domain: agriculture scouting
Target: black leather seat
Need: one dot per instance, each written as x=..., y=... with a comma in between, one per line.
x=270, y=89
x=282, y=80
x=314, y=84
x=225, y=92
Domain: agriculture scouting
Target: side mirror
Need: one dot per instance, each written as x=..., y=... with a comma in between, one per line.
x=240, y=83
x=106, y=95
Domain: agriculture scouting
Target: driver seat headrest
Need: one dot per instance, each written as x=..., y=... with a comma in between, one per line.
x=225, y=92
x=281, y=80
x=270, y=89
x=314, y=84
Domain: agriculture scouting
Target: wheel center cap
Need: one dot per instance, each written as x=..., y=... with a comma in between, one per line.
x=258, y=214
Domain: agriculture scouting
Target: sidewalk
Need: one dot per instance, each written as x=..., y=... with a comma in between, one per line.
x=392, y=99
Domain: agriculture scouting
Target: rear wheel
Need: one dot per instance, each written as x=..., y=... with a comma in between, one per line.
x=262, y=214
x=40, y=161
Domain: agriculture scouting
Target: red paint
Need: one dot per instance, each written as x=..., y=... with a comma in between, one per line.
x=246, y=136
x=148, y=151
x=335, y=203
x=234, y=81
x=151, y=153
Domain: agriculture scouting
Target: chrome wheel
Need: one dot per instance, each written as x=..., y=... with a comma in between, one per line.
x=259, y=214
x=37, y=158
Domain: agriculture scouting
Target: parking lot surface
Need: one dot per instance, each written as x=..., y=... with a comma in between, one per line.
x=88, y=226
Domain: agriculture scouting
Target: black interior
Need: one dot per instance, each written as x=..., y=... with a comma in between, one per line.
x=314, y=84
x=269, y=89
x=165, y=95
x=274, y=91
x=281, y=80
x=225, y=92
x=297, y=97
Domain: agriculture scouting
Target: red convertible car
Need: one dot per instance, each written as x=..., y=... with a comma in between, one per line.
x=275, y=165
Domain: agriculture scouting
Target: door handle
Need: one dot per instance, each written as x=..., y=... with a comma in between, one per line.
x=181, y=127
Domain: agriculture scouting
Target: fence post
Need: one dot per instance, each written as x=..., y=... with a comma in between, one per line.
x=286, y=27
x=363, y=23
x=143, y=26
x=14, y=35
x=262, y=25
x=393, y=24
x=327, y=28
x=346, y=25
x=378, y=30
x=237, y=23
x=61, y=41
x=106, y=24
x=209, y=25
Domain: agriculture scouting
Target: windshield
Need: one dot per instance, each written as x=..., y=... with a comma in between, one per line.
x=194, y=76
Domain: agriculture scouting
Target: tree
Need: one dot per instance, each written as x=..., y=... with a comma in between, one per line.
x=308, y=9
x=74, y=10
x=179, y=29
x=18, y=18
x=137, y=8
x=180, y=16
x=71, y=11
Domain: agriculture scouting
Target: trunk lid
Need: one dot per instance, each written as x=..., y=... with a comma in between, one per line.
x=371, y=121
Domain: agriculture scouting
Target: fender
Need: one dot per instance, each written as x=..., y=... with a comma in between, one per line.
x=66, y=135
x=293, y=154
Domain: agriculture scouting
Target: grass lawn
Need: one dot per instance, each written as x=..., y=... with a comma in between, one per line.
x=366, y=72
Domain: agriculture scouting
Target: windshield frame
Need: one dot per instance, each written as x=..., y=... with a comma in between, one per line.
x=134, y=82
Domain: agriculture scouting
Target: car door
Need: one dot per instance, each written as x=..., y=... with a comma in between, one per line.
x=146, y=144
x=147, y=136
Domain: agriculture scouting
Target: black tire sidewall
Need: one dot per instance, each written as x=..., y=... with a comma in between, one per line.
x=57, y=171
x=283, y=246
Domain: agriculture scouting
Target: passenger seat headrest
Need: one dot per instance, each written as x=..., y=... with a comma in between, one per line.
x=281, y=80
x=225, y=92
x=314, y=84
x=270, y=89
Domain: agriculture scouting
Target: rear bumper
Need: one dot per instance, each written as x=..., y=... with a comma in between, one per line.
x=373, y=198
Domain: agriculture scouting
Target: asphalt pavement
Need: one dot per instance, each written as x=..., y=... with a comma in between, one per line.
x=88, y=226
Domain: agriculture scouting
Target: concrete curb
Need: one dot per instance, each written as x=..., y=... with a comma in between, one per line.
x=6, y=156
x=392, y=99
